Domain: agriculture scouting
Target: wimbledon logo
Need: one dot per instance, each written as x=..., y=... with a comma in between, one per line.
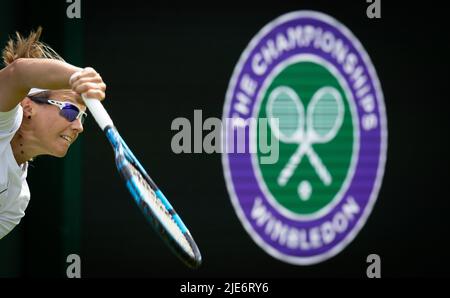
x=312, y=79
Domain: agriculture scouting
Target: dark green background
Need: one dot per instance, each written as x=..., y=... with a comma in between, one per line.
x=162, y=61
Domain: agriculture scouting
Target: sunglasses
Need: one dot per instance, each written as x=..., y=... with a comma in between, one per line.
x=68, y=110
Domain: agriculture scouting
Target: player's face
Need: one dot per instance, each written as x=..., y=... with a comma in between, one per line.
x=54, y=131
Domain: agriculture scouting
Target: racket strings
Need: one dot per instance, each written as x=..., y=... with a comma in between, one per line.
x=325, y=117
x=285, y=110
x=150, y=200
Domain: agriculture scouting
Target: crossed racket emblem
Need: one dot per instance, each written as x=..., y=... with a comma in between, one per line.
x=324, y=117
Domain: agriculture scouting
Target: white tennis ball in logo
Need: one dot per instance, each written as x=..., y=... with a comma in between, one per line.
x=304, y=190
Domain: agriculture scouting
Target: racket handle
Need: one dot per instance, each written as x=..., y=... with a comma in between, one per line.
x=292, y=165
x=317, y=164
x=98, y=112
x=295, y=160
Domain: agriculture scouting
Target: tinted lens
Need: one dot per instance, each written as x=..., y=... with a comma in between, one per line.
x=70, y=112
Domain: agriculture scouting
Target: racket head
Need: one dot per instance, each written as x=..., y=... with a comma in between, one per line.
x=153, y=204
x=325, y=115
x=285, y=105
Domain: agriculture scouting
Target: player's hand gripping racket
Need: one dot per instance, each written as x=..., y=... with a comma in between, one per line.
x=147, y=195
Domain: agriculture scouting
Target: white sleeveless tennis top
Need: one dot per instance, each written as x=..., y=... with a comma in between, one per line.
x=14, y=191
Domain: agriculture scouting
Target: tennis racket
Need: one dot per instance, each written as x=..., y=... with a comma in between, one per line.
x=152, y=202
x=324, y=118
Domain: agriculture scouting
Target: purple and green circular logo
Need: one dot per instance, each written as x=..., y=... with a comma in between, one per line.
x=307, y=178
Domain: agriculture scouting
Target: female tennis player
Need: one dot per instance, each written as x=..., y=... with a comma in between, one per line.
x=41, y=113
